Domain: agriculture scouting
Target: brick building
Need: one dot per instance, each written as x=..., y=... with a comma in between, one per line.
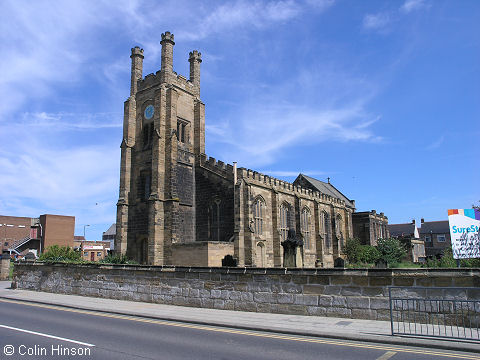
x=178, y=206
x=94, y=250
x=13, y=229
x=436, y=236
x=21, y=235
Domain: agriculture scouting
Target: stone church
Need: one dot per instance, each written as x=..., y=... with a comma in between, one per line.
x=177, y=206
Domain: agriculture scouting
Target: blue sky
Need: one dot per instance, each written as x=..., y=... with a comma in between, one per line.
x=383, y=97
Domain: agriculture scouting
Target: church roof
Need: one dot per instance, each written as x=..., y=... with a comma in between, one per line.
x=328, y=189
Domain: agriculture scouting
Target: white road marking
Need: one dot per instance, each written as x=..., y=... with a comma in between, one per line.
x=45, y=335
x=387, y=355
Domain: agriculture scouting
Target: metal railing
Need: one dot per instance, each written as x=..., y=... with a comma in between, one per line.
x=445, y=312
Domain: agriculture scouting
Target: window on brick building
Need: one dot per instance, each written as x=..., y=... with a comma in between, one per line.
x=258, y=210
x=428, y=238
x=284, y=221
x=441, y=238
x=305, y=226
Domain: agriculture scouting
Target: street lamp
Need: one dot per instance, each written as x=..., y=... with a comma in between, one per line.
x=84, y=226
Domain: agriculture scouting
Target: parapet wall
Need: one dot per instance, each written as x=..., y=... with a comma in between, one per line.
x=259, y=179
x=361, y=294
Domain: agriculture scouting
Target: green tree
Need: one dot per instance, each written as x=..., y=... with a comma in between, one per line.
x=391, y=250
x=352, y=250
x=368, y=254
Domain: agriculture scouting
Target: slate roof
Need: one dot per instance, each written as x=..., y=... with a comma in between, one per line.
x=328, y=189
x=112, y=230
x=401, y=229
x=435, y=227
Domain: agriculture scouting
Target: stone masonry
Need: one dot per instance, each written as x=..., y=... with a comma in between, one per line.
x=361, y=294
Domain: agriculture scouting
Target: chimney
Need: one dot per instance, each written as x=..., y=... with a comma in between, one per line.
x=167, y=52
x=137, y=68
x=195, y=58
x=422, y=220
x=413, y=221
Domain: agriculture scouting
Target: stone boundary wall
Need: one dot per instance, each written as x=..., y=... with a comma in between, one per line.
x=349, y=293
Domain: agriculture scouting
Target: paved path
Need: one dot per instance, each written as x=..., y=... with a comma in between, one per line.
x=329, y=327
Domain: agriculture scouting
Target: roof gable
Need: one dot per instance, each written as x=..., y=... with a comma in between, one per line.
x=326, y=188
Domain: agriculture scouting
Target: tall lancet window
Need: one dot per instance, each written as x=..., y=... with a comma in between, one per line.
x=305, y=226
x=324, y=223
x=258, y=213
x=284, y=221
x=214, y=220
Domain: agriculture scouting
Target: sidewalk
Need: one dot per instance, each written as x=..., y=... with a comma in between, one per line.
x=316, y=326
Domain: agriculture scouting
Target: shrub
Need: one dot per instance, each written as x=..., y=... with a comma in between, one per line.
x=447, y=261
x=60, y=253
x=474, y=263
x=352, y=250
x=368, y=254
x=391, y=250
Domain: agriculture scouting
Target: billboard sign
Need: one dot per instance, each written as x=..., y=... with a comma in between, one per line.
x=464, y=232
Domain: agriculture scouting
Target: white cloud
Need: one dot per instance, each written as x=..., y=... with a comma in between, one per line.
x=320, y=5
x=269, y=131
x=70, y=121
x=376, y=21
x=258, y=14
x=37, y=178
x=436, y=144
x=412, y=5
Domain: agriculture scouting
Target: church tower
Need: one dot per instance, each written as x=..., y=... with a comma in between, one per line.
x=163, y=138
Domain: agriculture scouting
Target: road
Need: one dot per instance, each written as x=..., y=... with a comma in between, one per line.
x=38, y=331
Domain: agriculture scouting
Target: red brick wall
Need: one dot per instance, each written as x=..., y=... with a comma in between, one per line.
x=57, y=230
x=13, y=228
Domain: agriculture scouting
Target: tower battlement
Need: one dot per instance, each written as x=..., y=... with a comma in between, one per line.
x=166, y=73
x=137, y=51
x=167, y=36
x=195, y=55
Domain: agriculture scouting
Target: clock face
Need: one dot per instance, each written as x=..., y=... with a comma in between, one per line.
x=148, y=113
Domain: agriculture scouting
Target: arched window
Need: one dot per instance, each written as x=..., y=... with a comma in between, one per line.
x=258, y=213
x=284, y=221
x=214, y=220
x=305, y=226
x=338, y=225
x=338, y=231
x=325, y=221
